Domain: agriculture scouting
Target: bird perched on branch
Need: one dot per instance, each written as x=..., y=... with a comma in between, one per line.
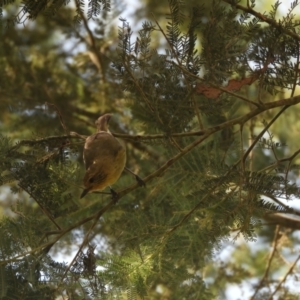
x=105, y=158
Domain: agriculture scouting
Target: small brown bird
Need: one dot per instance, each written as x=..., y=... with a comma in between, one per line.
x=104, y=158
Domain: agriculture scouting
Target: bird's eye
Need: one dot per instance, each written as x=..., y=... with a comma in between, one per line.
x=91, y=180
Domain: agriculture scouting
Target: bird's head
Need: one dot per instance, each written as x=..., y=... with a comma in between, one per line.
x=102, y=122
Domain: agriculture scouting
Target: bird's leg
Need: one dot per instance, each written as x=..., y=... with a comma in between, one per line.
x=114, y=195
x=139, y=180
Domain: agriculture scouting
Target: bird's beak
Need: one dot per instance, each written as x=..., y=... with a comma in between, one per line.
x=85, y=191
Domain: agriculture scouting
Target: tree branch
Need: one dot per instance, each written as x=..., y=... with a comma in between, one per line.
x=284, y=278
x=271, y=256
x=263, y=18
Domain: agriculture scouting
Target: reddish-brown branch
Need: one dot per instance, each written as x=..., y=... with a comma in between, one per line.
x=212, y=91
x=233, y=85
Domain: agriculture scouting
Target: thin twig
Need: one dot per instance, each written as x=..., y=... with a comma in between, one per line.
x=42, y=140
x=288, y=208
x=272, y=145
x=197, y=112
x=59, y=115
x=289, y=159
x=292, y=94
x=43, y=209
x=86, y=237
x=189, y=214
x=263, y=132
x=271, y=256
x=284, y=278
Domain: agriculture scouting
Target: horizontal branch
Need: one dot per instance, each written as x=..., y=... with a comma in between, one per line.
x=159, y=172
x=239, y=120
x=138, y=138
x=39, y=141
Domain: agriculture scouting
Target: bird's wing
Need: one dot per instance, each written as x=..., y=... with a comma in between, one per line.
x=101, y=145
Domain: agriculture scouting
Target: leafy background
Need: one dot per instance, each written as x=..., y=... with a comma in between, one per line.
x=204, y=96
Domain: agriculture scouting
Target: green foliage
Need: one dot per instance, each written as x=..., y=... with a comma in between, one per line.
x=194, y=101
x=31, y=9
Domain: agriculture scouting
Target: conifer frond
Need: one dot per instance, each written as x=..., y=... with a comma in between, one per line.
x=195, y=90
x=176, y=14
x=45, y=189
x=96, y=6
x=153, y=91
x=33, y=8
x=80, y=4
x=54, y=7
x=265, y=183
x=6, y=2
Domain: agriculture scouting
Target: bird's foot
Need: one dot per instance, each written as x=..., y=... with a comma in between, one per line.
x=114, y=195
x=140, y=181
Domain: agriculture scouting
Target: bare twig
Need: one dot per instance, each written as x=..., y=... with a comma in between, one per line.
x=284, y=278
x=289, y=159
x=292, y=94
x=271, y=256
x=263, y=132
x=86, y=237
x=272, y=145
x=59, y=115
